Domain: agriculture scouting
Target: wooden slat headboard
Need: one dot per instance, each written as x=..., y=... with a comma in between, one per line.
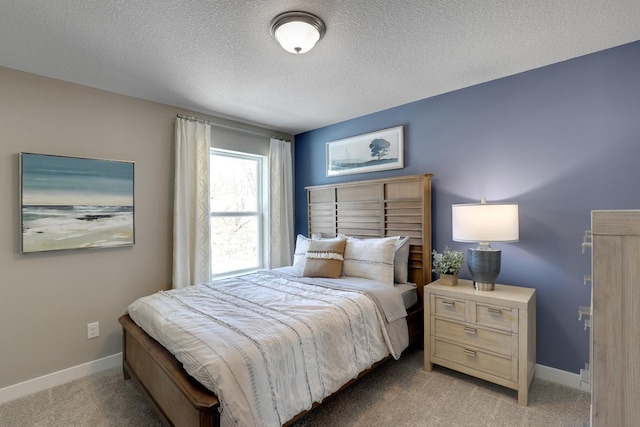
x=398, y=206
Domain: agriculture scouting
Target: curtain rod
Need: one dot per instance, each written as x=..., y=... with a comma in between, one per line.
x=239, y=129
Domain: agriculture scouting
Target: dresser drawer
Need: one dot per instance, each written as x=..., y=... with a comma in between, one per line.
x=448, y=307
x=495, y=316
x=467, y=334
x=500, y=366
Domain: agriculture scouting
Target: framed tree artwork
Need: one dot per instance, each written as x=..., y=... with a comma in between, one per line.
x=370, y=152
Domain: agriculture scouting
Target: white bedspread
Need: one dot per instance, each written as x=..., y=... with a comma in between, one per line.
x=270, y=344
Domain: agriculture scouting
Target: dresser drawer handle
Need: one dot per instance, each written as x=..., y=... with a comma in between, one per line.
x=494, y=310
x=471, y=331
x=469, y=353
x=448, y=303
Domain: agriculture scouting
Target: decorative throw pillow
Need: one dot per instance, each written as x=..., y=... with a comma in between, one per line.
x=370, y=258
x=401, y=261
x=324, y=258
x=302, y=245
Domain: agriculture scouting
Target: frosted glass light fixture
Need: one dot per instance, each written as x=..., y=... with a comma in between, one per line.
x=297, y=32
x=484, y=223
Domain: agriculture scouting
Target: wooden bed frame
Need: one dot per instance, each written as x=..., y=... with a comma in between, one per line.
x=374, y=208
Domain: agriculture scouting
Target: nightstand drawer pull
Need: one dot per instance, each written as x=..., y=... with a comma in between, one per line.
x=469, y=330
x=469, y=353
x=448, y=303
x=494, y=310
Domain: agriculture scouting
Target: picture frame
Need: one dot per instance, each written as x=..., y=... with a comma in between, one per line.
x=75, y=203
x=357, y=154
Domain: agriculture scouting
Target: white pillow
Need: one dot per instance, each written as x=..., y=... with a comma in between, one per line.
x=370, y=258
x=401, y=261
x=299, y=254
x=328, y=239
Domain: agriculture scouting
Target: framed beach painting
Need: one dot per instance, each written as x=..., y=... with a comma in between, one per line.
x=370, y=152
x=74, y=203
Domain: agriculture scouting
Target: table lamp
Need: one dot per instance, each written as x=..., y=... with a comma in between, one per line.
x=484, y=223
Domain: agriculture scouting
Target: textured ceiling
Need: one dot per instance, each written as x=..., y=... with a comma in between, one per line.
x=217, y=57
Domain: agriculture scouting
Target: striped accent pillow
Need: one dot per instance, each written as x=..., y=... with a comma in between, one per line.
x=324, y=258
x=299, y=254
x=370, y=258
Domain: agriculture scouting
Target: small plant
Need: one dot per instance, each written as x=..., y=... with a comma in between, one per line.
x=447, y=262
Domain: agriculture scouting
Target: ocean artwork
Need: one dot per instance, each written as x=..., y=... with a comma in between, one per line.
x=74, y=203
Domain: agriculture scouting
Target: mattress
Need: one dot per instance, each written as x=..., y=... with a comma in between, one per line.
x=409, y=293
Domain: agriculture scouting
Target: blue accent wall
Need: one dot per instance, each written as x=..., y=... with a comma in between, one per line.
x=560, y=141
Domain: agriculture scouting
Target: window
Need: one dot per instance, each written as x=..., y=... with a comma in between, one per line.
x=238, y=212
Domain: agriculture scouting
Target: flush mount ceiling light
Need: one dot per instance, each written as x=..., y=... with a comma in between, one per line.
x=297, y=32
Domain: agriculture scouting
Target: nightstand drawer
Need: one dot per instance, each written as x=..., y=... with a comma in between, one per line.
x=500, y=366
x=495, y=316
x=467, y=334
x=448, y=307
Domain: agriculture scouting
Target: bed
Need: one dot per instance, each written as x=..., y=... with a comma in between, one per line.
x=374, y=209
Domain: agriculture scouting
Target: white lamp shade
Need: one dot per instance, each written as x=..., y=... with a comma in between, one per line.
x=485, y=222
x=297, y=36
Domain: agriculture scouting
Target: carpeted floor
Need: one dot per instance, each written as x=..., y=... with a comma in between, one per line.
x=397, y=394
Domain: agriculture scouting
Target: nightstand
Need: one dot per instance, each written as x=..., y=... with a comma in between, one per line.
x=487, y=334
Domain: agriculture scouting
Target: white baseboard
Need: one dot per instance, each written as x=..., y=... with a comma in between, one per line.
x=57, y=378
x=76, y=372
x=557, y=376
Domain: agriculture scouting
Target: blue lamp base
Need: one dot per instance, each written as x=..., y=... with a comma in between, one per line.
x=484, y=266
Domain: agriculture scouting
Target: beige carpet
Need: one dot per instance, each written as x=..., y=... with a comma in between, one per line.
x=397, y=394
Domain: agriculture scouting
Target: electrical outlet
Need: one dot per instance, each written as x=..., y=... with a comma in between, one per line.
x=93, y=330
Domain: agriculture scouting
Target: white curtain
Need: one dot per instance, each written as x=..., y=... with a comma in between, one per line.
x=280, y=203
x=191, y=247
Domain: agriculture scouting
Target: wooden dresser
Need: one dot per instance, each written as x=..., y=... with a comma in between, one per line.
x=615, y=347
x=487, y=334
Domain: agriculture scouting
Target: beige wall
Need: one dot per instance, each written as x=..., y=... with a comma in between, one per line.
x=47, y=299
